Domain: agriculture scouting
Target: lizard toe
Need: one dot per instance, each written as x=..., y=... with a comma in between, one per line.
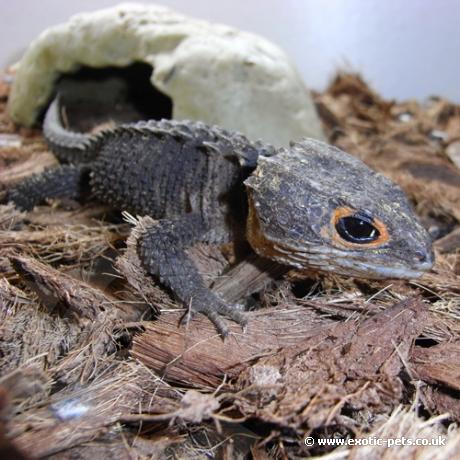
x=211, y=313
x=218, y=322
x=217, y=313
x=234, y=314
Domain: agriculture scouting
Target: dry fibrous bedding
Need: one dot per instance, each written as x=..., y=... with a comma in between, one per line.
x=93, y=363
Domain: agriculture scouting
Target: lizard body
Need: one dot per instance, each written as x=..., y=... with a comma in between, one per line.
x=310, y=205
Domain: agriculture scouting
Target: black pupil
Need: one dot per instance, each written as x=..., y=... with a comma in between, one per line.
x=357, y=230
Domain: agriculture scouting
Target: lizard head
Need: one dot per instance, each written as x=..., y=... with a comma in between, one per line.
x=315, y=206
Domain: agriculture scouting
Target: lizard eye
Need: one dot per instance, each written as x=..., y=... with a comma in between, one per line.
x=357, y=229
x=354, y=228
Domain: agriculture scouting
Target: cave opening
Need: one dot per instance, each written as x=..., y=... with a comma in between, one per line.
x=97, y=97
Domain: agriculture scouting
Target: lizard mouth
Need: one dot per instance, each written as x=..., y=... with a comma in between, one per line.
x=327, y=259
x=374, y=271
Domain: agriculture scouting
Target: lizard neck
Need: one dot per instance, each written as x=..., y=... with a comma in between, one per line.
x=255, y=235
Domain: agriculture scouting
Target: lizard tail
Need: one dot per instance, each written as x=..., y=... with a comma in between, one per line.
x=68, y=146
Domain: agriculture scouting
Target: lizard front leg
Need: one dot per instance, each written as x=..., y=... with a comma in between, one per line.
x=162, y=252
x=61, y=182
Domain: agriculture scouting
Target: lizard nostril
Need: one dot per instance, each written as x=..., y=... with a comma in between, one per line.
x=422, y=256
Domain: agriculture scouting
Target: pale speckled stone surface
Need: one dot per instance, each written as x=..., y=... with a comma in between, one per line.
x=211, y=72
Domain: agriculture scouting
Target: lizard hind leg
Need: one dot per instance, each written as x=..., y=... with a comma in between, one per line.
x=66, y=181
x=161, y=249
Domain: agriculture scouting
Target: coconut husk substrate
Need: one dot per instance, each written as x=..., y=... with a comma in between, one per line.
x=95, y=364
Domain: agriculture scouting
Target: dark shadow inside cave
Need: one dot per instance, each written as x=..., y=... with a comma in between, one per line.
x=93, y=97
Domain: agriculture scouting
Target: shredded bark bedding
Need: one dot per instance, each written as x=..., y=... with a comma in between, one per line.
x=93, y=363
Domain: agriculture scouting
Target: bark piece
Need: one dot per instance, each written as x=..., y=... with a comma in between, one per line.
x=196, y=354
x=66, y=242
x=96, y=313
x=450, y=242
x=80, y=415
x=27, y=331
x=439, y=364
x=287, y=370
x=355, y=364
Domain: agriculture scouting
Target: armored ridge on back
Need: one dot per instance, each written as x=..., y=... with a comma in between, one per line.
x=310, y=205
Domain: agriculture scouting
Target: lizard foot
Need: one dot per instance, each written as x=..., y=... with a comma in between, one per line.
x=216, y=313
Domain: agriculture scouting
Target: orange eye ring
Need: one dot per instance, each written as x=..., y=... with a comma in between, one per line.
x=344, y=212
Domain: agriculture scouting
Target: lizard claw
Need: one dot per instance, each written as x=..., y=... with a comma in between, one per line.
x=216, y=316
x=218, y=322
x=234, y=313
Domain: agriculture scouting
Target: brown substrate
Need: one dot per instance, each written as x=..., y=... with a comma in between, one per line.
x=94, y=365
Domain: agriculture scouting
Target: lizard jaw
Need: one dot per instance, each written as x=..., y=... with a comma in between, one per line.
x=373, y=271
x=345, y=264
